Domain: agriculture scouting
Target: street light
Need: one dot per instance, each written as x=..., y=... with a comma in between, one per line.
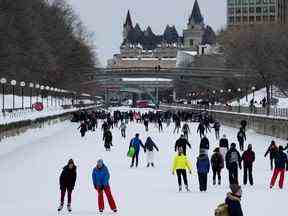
x=13, y=83
x=47, y=89
x=37, y=86
x=239, y=97
x=22, y=84
x=3, y=82
x=31, y=86
x=42, y=88
x=253, y=89
x=52, y=89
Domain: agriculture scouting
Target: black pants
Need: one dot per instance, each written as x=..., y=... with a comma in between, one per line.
x=186, y=134
x=241, y=145
x=133, y=159
x=271, y=163
x=160, y=126
x=233, y=173
x=202, y=177
x=146, y=128
x=182, y=173
x=217, y=134
x=123, y=133
x=216, y=172
x=248, y=171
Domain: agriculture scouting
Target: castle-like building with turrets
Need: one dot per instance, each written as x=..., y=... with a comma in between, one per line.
x=143, y=48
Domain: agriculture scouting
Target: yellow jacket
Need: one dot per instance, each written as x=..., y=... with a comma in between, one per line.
x=181, y=162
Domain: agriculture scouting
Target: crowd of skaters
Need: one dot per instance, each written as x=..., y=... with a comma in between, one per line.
x=224, y=155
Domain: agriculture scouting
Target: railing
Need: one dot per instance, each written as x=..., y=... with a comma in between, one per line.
x=274, y=112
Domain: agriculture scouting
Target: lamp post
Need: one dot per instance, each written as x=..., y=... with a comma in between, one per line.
x=239, y=97
x=3, y=82
x=22, y=84
x=37, y=86
x=13, y=83
x=42, y=88
x=47, y=89
x=31, y=86
x=253, y=90
x=52, y=89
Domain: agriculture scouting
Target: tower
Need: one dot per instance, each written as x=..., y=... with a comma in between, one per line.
x=195, y=29
x=128, y=26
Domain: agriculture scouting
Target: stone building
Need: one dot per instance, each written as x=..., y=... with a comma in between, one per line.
x=241, y=12
x=144, y=48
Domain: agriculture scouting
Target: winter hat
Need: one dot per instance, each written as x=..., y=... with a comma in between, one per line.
x=71, y=162
x=137, y=135
x=235, y=188
x=216, y=149
x=224, y=135
x=100, y=162
x=233, y=145
x=250, y=146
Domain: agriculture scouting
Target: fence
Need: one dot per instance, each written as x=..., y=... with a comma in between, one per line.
x=274, y=112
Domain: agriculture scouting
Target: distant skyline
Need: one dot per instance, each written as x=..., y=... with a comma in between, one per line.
x=105, y=18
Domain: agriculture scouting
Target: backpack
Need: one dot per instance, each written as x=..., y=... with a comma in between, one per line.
x=222, y=210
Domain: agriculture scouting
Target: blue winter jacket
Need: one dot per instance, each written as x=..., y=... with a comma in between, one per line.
x=281, y=160
x=136, y=143
x=203, y=164
x=100, y=177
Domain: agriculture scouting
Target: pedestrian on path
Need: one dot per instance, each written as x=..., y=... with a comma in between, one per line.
x=136, y=143
x=217, y=163
x=149, y=149
x=248, y=159
x=203, y=167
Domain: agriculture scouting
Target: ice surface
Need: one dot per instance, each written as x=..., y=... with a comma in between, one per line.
x=30, y=165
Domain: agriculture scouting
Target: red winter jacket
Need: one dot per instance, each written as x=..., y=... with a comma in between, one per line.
x=248, y=157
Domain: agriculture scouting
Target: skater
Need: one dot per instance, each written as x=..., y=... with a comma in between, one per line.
x=224, y=145
x=233, y=201
x=233, y=160
x=248, y=159
x=100, y=177
x=136, y=143
x=160, y=125
x=204, y=145
x=177, y=125
x=180, y=165
x=123, y=128
x=217, y=163
x=107, y=140
x=281, y=162
x=146, y=124
x=201, y=129
x=183, y=143
x=186, y=130
x=272, y=150
x=243, y=124
x=83, y=129
x=67, y=182
x=203, y=167
x=149, y=149
x=216, y=127
x=241, y=136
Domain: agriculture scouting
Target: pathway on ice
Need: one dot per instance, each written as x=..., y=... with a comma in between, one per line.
x=31, y=163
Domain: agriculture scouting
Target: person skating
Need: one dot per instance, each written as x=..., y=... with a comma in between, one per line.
x=101, y=177
x=123, y=128
x=204, y=144
x=186, y=130
x=217, y=163
x=83, y=128
x=67, y=182
x=272, y=150
x=216, y=127
x=241, y=136
x=149, y=149
x=160, y=125
x=224, y=145
x=233, y=160
x=203, y=167
x=137, y=144
x=248, y=159
x=146, y=124
x=107, y=139
x=201, y=129
x=180, y=165
x=177, y=125
x=183, y=143
x=233, y=200
x=281, y=162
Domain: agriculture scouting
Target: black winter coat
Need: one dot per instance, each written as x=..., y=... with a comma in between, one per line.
x=232, y=157
x=150, y=145
x=234, y=205
x=182, y=142
x=224, y=143
x=204, y=144
x=217, y=161
x=281, y=160
x=68, y=178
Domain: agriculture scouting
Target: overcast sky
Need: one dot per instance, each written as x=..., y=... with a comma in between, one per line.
x=105, y=18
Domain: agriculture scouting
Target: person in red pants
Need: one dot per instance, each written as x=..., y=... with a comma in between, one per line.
x=100, y=177
x=281, y=162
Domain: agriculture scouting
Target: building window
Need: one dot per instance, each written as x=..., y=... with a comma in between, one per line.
x=272, y=9
x=258, y=9
x=251, y=19
x=231, y=10
x=244, y=10
x=251, y=10
x=231, y=19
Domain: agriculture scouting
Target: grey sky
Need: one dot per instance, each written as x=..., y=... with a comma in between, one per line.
x=105, y=18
